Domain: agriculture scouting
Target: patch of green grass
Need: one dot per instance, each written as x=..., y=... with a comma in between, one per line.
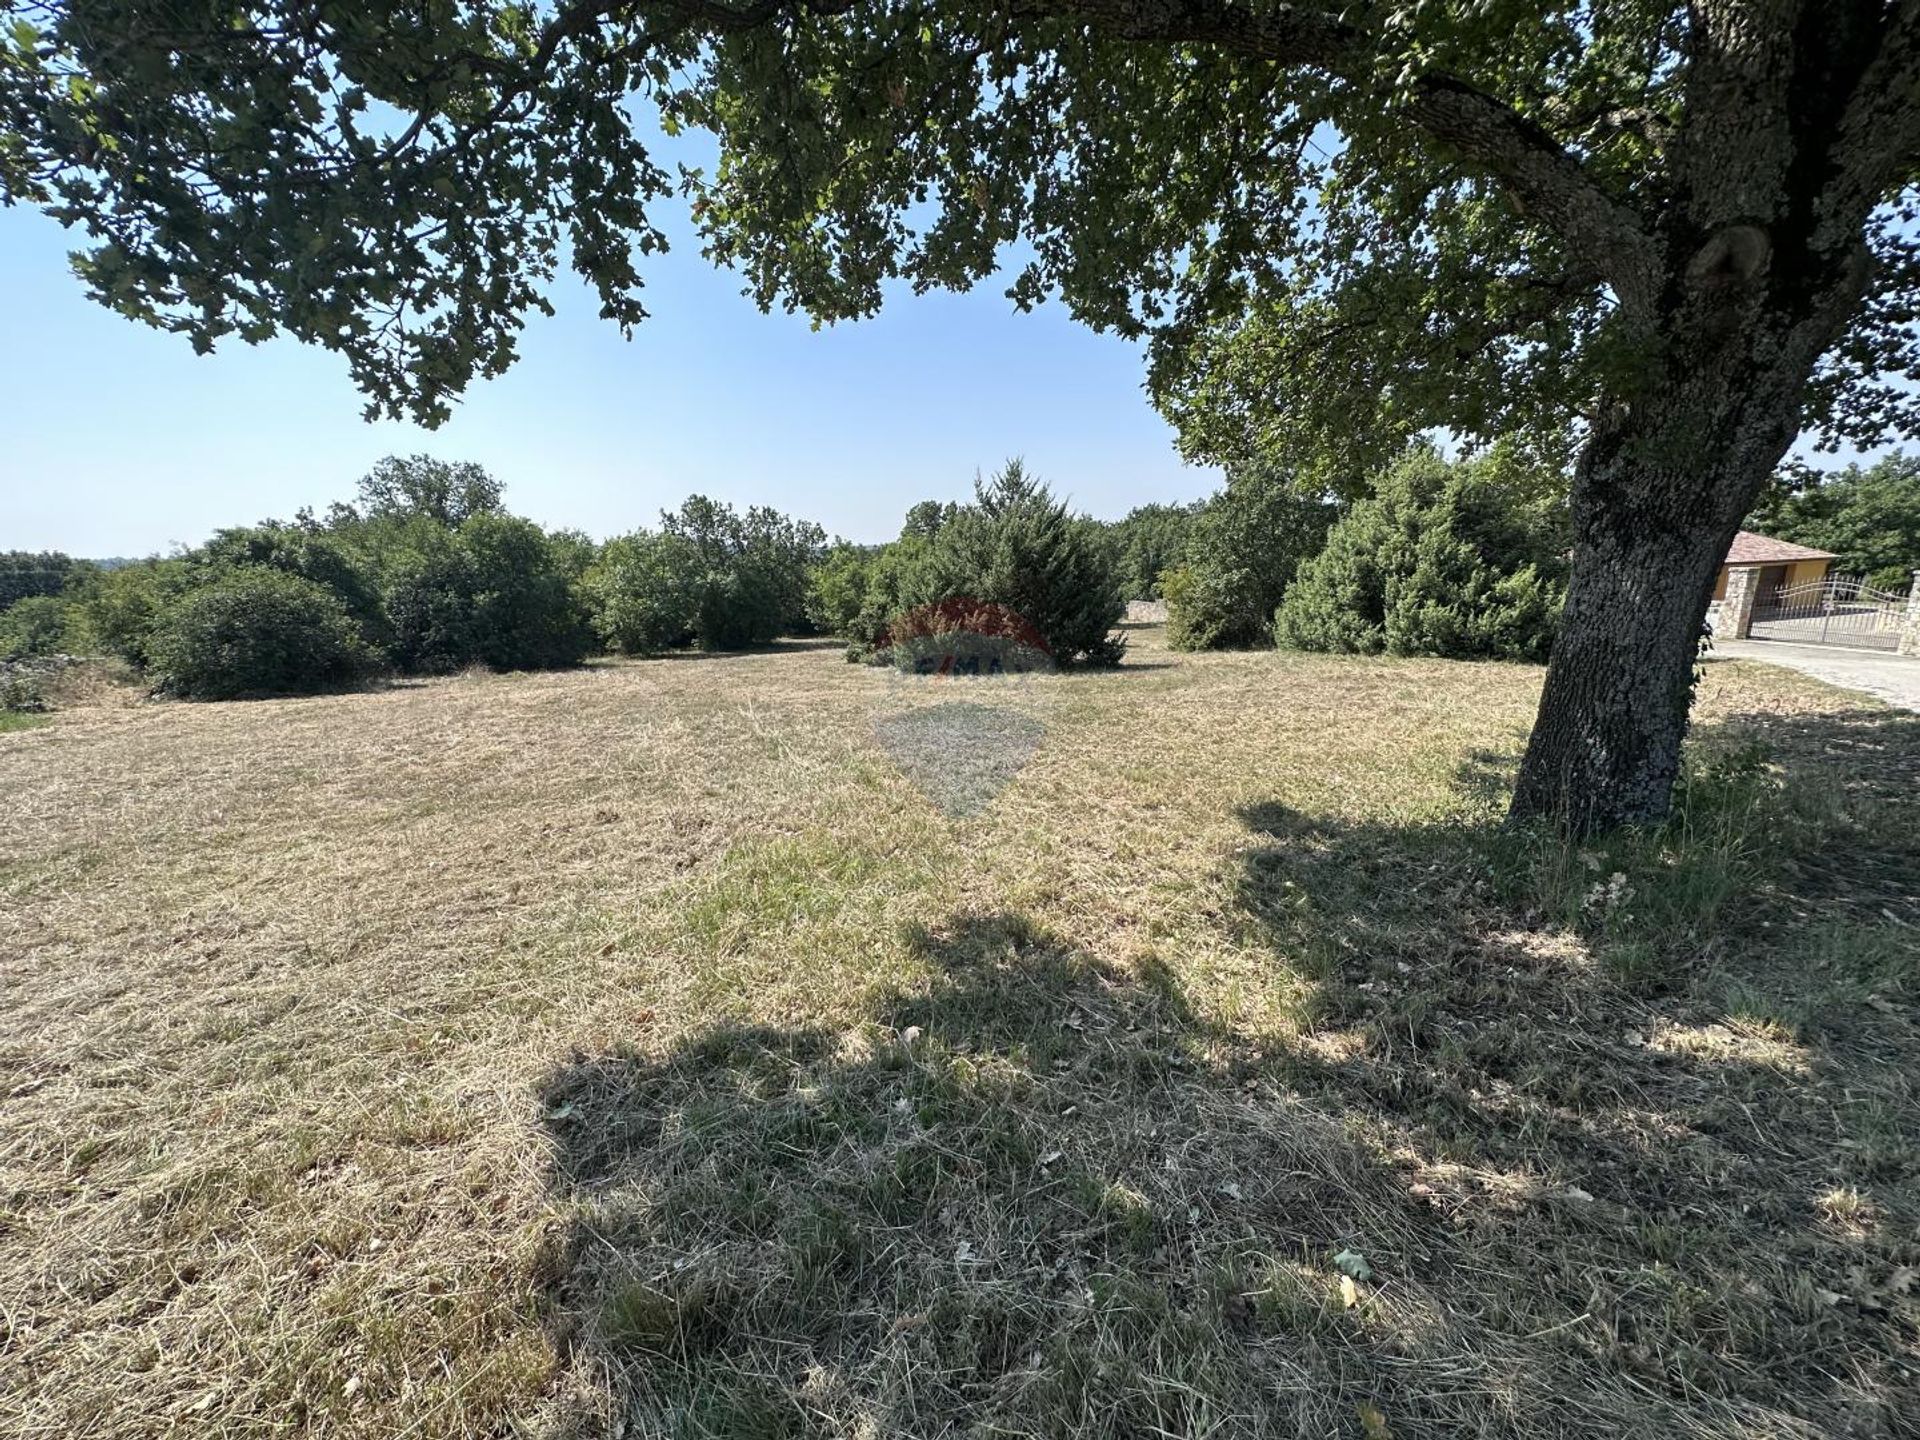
x=11, y=720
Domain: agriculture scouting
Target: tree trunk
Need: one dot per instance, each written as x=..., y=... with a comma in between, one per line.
x=1605, y=748
x=1658, y=496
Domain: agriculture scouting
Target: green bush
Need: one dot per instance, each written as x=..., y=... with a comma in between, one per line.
x=1018, y=548
x=526, y=615
x=642, y=593
x=427, y=587
x=256, y=631
x=114, y=611
x=1459, y=560
x=1242, y=553
x=837, y=588
x=36, y=625
x=710, y=577
x=312, y=554
x=496, y=591
x=894, y=579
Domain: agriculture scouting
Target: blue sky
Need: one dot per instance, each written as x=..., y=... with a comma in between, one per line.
x=123, y=442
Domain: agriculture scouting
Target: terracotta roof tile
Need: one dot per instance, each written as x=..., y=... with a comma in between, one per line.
x=1751, y=549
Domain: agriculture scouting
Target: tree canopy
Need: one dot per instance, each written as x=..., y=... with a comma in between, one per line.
x=1420, y=213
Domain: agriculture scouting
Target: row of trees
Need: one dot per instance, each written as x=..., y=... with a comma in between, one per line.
x=428, y=573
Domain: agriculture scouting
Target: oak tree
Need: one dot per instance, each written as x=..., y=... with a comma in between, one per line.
x=1671, y=236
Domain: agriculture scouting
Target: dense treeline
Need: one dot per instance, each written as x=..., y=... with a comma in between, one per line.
x=428, y=573
x=1429, y=556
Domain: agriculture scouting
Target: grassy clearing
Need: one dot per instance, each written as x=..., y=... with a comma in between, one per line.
x=637, y=1051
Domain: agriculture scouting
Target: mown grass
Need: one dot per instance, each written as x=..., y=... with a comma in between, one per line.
x=640, y=1052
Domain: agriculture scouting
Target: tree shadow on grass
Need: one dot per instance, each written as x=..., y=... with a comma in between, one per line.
x=1663, y=1087
x=1032, y=1198
x=1043, y=1195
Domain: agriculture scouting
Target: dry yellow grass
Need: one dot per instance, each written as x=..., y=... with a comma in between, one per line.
x=636, y=1051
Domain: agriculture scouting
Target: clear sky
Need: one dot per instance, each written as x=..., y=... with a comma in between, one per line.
x=121, y=441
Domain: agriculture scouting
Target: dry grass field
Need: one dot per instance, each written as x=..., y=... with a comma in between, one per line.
x=639, y=1051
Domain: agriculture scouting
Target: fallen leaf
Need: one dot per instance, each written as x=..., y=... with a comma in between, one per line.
x=1230, y=1190
x=1352, y=1262
x=1373, y=1424
x=1349, y=1292
x=1050, y=1157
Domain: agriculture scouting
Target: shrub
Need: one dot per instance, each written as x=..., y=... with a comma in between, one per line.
x=1017, y=547
x=22, y=688
x=642, y=593
x=893, y=580
x=710, y=577
x=428, y=587
x=837, y=588
x=36, y=625
x=115, y=611
x=525, y=613
x=1442, y=559
x=966, y=637
x=312, y=554
x=497, y=591
x=256, y=631
x=1242, y=553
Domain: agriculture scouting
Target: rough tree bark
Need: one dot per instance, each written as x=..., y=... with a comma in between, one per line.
x=1651, y=525
x=1658, y=495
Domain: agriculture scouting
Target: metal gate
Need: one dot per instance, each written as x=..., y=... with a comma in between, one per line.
x=1839, y=610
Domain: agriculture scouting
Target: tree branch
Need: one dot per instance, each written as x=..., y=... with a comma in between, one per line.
x=1604, y=237
x=1878, y=141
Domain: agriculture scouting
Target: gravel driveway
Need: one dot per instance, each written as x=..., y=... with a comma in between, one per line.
x=1894, y=678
